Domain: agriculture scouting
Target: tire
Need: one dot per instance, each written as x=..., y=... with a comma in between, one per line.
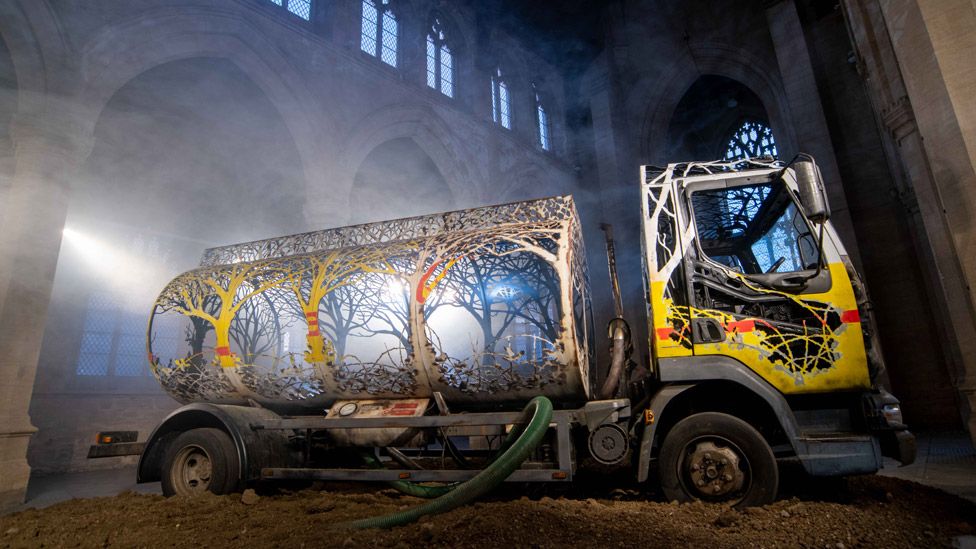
x=198, y=461
x=716, y=457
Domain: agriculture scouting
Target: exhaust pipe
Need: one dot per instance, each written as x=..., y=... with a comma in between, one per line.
x=619, y=331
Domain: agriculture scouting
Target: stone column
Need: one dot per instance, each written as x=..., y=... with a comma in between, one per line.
x=48, y=149
x=914, y=58
x=806, y=110
x=934, y=44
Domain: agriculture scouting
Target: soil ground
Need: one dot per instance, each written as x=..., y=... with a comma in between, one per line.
x=870, y=511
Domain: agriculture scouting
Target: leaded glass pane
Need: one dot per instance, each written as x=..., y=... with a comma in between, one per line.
x=543, y=127
x=494, y=100
x=389, y=55
x=368, y=40
x=96, y=341
x=447, y=72
x=301, y=8
x=431, y=62
x=92, y=365
x=504, y=107
x=130, y=356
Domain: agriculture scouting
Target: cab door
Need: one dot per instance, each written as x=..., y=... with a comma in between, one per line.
x=762, y=293
x=667, y=234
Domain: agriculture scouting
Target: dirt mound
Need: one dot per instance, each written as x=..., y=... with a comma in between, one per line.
x=859, y=512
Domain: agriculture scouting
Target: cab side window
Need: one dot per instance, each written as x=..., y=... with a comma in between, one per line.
x=755, y=229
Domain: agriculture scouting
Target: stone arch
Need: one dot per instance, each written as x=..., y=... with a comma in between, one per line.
x=123, y=51
x=37, y=44
x=231, y=170
x=709, y=112
x=398, y=179
x=457, y=26
x=431, y=134
x=658, y=97
x=526, y=180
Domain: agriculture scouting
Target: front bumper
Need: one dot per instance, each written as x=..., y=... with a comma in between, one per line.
x=899, y=445
x=882, y=413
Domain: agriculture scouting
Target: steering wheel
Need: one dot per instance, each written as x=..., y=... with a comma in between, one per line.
x=772, y=268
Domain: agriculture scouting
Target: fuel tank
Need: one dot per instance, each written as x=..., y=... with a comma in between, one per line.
x=486, y=306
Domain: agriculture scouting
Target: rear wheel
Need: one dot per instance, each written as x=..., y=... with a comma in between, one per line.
x=200, y=460
x=720, y=458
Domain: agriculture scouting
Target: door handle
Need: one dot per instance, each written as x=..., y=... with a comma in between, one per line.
x=707, y=330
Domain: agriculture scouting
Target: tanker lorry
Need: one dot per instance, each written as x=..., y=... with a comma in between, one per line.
x=404, y=351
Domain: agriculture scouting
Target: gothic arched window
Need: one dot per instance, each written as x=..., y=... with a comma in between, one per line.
x=301, y=8
x=440, y=61
x=379, y=36
x=752, y=139
x=501, y=105
x=543, y=124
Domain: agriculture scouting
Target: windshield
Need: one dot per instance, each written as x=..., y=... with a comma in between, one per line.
x=754, y=229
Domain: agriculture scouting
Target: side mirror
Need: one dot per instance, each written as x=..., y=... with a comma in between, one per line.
x=813, y=196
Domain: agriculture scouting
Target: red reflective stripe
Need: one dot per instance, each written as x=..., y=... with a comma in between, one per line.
x=223, y=351
x=741, y=326
x=313, y=322
x=313, y=333
x=848, y=317
x=664, y=333
x=313, y=314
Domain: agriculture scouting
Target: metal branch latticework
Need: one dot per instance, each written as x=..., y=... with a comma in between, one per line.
x=482, y=304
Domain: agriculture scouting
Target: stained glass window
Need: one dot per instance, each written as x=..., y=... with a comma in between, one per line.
x=440, y=60
x=752, y=139
x=544, y=125
x=379, y=31
x=501, y=107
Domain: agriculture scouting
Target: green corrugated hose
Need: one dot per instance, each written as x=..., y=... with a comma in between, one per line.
x=523, y=439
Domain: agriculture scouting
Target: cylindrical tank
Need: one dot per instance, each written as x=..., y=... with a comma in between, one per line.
x=486, y=306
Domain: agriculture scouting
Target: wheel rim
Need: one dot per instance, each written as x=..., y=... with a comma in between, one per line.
x=192, y=471
x=713, y=468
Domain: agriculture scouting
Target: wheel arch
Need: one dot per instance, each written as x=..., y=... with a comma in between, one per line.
x=255, y=448
x=715, y=384
x=728, y=397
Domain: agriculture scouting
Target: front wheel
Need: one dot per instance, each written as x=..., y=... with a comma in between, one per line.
x=718, y=458
x=198, y=461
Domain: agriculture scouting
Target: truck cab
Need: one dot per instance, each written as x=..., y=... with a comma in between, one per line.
x=760, y=335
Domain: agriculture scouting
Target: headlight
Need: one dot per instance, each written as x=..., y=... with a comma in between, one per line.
x=892, y=414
